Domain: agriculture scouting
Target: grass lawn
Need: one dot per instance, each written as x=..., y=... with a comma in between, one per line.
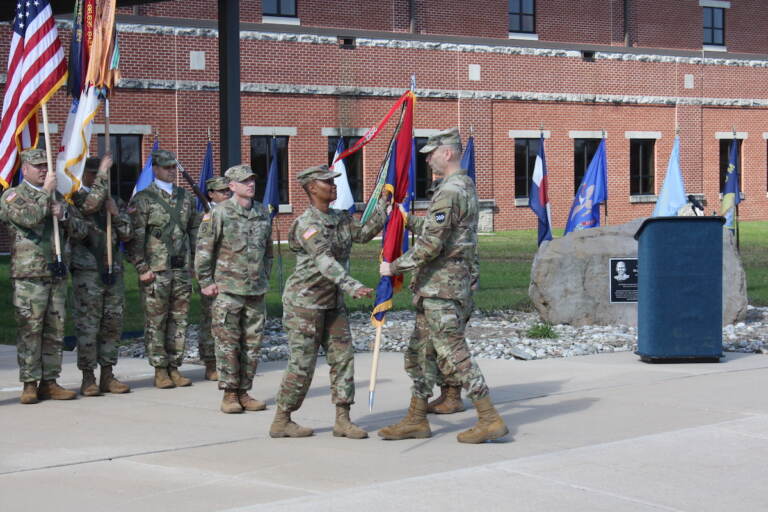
x=505, y=261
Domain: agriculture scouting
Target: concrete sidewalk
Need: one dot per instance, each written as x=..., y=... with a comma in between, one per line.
x=595, y=433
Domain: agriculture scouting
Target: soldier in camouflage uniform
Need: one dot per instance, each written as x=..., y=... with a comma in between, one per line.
x=314, y=314
x=218, y=192
x=165, y=226
x=444, y=261
x=39, y=295
x=99, y=299
x=233, y=261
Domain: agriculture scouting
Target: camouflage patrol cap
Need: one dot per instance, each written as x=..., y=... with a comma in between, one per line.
x=34, y=157
x=239, y=172
x=318, y=172
x=217, y=183
x=447, y=137
x=163, y=158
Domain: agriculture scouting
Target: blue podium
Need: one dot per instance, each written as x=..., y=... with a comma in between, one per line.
x=680, y=289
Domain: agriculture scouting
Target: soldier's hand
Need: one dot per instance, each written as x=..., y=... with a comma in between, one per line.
x=106, y=164
x=361, y=292
x=147, y=277
x=111, y=207
x=385, y=268
x=58, y=209
x=210, y=290
x=49, y=185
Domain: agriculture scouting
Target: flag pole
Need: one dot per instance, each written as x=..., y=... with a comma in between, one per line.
x=108, y=277
x=277, y=231
x=58, y=266
x=374, y=367
x=605, y=203
x=413, y=198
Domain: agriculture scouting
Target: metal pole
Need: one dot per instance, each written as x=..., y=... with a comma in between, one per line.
x=229, y=82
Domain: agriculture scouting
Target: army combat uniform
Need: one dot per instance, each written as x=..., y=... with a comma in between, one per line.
x=234, y=251
x=314, y=313
x=165, y=226
x=99, y=306
x=39, y=296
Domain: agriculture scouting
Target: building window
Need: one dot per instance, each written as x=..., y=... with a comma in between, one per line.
x=261, y=156
x=725, y=149
x=522, y=16
x=714, y=26
x=279, y=7
x=126, y=154
x=525, y=160
x=353, y=164
x=642, y=167
x=423, y=170
x=583, y=151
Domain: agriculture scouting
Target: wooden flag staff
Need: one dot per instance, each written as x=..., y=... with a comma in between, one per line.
x=108, y=277
x=57, y=267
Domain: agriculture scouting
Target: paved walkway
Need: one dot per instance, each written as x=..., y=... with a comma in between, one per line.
x=593, y=433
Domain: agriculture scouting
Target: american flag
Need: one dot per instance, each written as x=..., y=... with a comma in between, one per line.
x=36, y=69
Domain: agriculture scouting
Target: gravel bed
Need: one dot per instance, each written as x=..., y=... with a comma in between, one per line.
x=495, y=335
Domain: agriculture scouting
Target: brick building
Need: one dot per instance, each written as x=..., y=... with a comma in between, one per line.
x=633, y=70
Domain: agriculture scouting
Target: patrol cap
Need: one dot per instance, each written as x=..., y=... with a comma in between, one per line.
x=318, y=172
x=217, y=183
x=92, y=164
x=163, y=158
x=239, y=172
x=449, y=137
x=34, y=156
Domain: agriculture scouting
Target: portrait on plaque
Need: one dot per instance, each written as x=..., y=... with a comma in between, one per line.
x=623, y=279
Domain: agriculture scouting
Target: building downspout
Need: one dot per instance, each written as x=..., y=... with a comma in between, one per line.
x=626, y=22
x=412, y=15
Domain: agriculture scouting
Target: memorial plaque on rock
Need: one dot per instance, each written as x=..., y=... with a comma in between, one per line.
x=623, y=277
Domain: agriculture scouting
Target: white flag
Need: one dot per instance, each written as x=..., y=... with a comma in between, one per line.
x=344, y=199
x=74, y=143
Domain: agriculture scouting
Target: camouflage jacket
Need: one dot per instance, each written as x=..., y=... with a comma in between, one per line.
x=322, y=243
x=234, y=249
x=28, y=214
x=444, y=256
x=156, y=236
x=86, y=251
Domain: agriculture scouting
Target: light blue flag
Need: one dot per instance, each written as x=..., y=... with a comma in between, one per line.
x=672, y=196
x=147, y=175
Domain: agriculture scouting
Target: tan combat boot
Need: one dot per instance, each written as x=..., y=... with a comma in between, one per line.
x=230, y=403
x=178, y=379
x=249, y=403
x=282, y=426
x=109, y=384
x=50, y=390
x=29, y=394
x=450, y=401
x=344, y=426
x=437, y=401
x=162, y=380
x=489, y=424
x=210, y=371
x=413, y=426
x=89, y=387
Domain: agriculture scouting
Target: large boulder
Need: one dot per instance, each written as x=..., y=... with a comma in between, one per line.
x=570, y=282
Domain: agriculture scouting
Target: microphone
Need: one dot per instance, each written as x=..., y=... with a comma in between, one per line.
x=696, y=203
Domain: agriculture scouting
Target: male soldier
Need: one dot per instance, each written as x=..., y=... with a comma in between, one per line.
x=99, y=298
x=442, y=258
x=218, y=192
x=233, y=261
x=39, y=292
x=314, y=314
x=165, y=225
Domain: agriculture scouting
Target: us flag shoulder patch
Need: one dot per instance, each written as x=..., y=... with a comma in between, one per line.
x=309, y=233
x=11, y=196
x=131, y=209
x=206, y=217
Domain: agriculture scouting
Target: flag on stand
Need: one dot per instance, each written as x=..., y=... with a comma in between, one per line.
x=206, y=173
x=272, y=191
x=36, y=70
x=672, y=196
x=344, y=199
x=539, y=197
x=731, y=192
x=585, y=211
x=468, y=158
x=147, y=175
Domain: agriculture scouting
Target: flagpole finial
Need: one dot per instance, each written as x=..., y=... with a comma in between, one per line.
x=413, y=82
x=471, y=129
x=209, y=134
x=677, y=130
x=603, y=132
x=541, y=129
x=734, y=131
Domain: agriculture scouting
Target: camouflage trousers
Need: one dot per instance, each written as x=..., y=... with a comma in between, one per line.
x=308, y=330
x=166, y=303
x=205, y=344
x=40, y=309
x=437, y=345
x=238, y=326
x=452, y=379
x=98, y=318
